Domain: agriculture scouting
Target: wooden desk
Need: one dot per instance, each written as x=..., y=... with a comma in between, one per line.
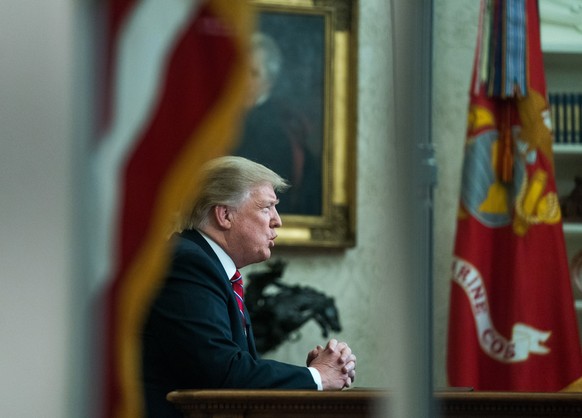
x=365, y=404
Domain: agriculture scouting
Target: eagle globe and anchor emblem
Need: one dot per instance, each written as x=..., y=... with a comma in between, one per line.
x=495, y=203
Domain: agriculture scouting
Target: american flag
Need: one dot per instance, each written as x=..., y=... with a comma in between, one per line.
x=174, y=81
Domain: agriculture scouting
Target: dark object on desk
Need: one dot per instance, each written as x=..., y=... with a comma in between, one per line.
x=571, y=205
x=278, y=312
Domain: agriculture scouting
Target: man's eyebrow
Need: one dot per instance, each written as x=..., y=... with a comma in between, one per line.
x=271, y=202
x=268, y=202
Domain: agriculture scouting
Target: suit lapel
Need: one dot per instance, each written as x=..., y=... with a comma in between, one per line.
x=250, y=336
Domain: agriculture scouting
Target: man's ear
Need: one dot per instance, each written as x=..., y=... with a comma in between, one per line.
x=223, y=216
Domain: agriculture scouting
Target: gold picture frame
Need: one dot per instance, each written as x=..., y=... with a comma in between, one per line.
x=315, y=88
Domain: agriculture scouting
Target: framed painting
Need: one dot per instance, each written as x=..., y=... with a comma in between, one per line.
x=300, y=120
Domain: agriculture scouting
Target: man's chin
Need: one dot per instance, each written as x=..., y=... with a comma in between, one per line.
x=262, y=256
x=267, y=254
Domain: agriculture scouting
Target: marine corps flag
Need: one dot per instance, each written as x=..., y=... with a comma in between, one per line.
x=512, y=324
x=176, y=77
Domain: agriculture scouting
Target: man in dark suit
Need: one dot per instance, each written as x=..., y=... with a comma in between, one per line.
x=195, y=335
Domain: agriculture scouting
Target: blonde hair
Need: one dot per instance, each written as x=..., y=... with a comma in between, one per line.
x=228, y=181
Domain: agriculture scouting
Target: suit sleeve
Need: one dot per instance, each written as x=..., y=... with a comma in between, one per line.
x=195, y=331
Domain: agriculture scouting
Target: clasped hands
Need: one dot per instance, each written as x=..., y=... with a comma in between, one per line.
x=335, y=363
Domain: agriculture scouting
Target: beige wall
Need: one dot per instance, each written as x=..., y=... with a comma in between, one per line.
x=355, y=277
x=455, y=33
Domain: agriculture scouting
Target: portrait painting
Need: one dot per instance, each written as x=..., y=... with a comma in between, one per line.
x=289, y=124
x=283, y=128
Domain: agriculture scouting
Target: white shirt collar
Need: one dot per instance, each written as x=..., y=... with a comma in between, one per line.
x=225, y=260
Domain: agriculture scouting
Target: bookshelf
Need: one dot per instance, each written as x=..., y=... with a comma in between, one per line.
x=562, y=48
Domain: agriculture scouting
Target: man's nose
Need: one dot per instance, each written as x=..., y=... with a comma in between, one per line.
x=277, y=222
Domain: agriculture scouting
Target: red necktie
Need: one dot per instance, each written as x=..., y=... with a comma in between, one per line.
x=237, y=286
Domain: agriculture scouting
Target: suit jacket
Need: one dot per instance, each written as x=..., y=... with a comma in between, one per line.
x=193, y=337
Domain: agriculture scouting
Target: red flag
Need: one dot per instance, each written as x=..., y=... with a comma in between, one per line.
x=512, y=324
x=176, y=81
